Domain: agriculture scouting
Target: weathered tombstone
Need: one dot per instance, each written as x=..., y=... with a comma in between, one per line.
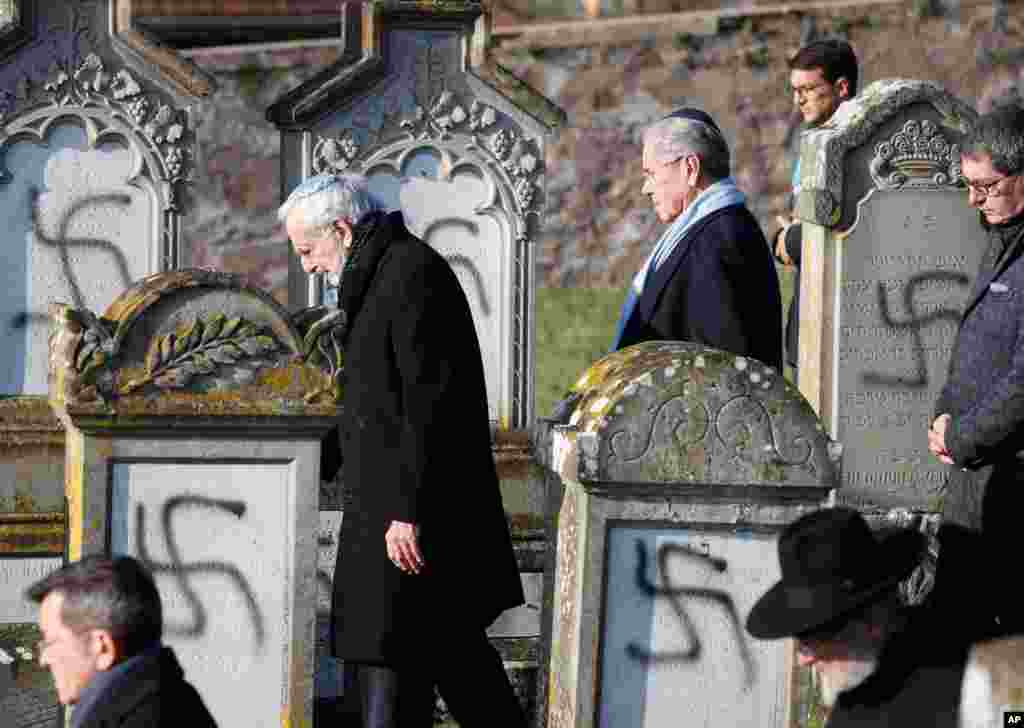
x=193, y=426
x=94, y=150
x=890, y=246
x=677, y=466
x=456, y=143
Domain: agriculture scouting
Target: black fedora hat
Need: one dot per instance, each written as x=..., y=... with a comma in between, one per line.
x=831, y=564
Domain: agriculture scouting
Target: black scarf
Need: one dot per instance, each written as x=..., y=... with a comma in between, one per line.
x=365, y=253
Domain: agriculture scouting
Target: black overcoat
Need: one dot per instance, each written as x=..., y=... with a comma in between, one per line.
x=984, y=394
x=416, y=447
x=719, y=288
x=153, y=693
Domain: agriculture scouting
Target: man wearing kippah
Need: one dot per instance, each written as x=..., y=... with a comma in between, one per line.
x=710, y=277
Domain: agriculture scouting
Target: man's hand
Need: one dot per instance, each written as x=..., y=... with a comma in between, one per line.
x=780, y=239
x=402, y=541
x=937, y=438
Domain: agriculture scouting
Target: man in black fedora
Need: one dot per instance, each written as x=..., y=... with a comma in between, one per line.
x=878, y=662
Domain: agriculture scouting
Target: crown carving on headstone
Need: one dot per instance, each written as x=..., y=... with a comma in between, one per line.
x=916, y=156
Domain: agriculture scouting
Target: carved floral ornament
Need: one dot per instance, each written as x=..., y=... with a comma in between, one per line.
x=92, y=85
x=917, y=155
x=448, y=116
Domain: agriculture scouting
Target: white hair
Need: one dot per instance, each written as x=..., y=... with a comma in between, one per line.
x=325, y=198
x=673, y=137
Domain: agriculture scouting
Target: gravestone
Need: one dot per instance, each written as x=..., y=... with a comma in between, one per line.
x=194, y=414
x=677, y=466
x=95, y=150
x=890, y=247
x=456, y=143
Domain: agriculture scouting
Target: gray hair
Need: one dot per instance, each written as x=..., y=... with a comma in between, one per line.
x=998, y=134
x=325, y=198
x=673, y=137
x=118, y=595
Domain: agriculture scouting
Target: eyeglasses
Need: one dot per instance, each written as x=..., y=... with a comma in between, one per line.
x=803, y=91
x=986, y=189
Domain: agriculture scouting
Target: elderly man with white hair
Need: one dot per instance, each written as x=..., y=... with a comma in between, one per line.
x=425, y=561
x=710, y=278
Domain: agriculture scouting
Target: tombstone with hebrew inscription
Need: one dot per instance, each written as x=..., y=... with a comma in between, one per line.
x=890, y=247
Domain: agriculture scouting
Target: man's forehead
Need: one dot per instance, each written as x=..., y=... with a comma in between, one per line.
x=817, y=74
x=979, y=165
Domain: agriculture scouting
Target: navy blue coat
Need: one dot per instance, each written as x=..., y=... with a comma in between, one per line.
x=719, y=288
x=984, y=394
x=152, y=694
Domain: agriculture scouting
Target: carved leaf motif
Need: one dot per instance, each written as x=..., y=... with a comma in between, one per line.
x=258, y=345
x=180, y=345
x=203, y=363
x=214, y=323
x=226, y=354
x=84, y=354
x=229, y=327
x=204, y=347
x=167, y=347
x=195, y=334
x=153, y=359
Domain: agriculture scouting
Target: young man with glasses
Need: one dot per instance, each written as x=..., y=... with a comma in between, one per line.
x=978, y=427
x=709, y=279
x=822, y=75
x=101, y=621
x=877, y=662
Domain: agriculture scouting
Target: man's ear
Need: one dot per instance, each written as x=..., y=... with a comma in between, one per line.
x=842, y=87
x=691, y=163
x=106, y=650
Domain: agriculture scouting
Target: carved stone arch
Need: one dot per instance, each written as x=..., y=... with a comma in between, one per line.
x=465, y=136
x=112, y=111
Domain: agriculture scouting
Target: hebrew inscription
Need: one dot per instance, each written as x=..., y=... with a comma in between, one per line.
x=906, y=272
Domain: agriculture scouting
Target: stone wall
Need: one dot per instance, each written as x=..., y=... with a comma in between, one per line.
x=598, y=227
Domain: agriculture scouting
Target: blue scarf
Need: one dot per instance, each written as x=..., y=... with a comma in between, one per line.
x=721, y=194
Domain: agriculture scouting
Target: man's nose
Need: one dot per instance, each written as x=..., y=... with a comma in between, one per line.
x=805, y=659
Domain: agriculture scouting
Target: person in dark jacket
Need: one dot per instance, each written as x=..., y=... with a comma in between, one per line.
x=978, y=426
x=877, y=662
x=102, y=621
x=822, y=75
x=425, y=561
x=710, y=277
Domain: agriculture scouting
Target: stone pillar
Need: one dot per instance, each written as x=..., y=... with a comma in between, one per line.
x=456, y=143
x=890, y=247
x=677, y=465
x=193, y=427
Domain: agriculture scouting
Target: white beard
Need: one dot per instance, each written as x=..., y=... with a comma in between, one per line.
x=838, y=677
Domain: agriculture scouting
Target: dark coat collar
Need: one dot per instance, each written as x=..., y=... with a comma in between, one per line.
x=371, y=239
x=1010, y=236
x=133, y=686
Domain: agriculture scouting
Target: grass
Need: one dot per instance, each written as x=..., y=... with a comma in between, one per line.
x=575, y=328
